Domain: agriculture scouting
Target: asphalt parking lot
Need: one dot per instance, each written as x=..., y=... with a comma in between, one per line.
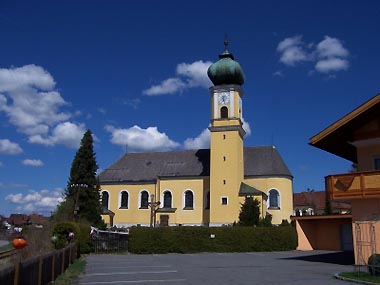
x=291, y=267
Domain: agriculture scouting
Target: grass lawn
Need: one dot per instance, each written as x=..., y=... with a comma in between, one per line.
x=361, y=276
x=72, y=272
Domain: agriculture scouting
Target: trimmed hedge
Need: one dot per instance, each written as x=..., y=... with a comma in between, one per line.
x=143, y=240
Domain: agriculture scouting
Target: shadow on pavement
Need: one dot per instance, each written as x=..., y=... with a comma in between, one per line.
x=341, y=258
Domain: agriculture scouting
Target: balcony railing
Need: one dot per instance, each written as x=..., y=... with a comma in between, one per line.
x=355, y=185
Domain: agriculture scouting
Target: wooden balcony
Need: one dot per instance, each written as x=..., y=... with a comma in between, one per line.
x=356, y=185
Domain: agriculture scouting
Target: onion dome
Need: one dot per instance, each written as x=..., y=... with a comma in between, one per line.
x=226, y=70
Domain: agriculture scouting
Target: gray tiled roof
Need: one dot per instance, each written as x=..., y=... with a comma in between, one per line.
x=140, y=167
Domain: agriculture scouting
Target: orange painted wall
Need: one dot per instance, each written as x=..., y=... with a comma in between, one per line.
x=322, y=234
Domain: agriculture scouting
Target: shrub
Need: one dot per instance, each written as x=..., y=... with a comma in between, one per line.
x=61, y=231
x=285, y=223
x=374, y=264
x=81, y=235
x=85, y=244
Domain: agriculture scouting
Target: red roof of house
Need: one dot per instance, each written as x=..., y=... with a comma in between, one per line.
x=18, y=219
x=317, y=201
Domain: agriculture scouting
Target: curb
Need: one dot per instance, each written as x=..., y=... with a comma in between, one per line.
x=337, y=276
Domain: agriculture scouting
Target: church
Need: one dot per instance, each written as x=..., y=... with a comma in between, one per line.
x=201, y=187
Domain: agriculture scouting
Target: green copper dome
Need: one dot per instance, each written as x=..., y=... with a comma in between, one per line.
x=226, y=70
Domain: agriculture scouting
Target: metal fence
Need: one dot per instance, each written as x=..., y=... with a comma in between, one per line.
x=40, y=270
x=105, y=241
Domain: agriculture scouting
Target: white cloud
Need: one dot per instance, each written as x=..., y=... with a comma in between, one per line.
x=168, y=86
x=33, y=105
x=14, y=198
x=134, y=103
x=67, y=133
x=26, y=76
x=188, y=75
x=292, y=51
x=329, y=54
x=136, y=139
x=201, y=141
x=278, y=73
x=331, y=47
x=32, y=162
x=246, y=127
x=8, y=147
x=331, y=65
x=36, y=201
x=11, y=185
x=195, y=73
x=332, y=56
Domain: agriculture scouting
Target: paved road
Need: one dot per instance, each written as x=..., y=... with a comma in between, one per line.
x=285, y=268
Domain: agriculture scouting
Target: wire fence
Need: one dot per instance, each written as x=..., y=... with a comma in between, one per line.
x=106, y=241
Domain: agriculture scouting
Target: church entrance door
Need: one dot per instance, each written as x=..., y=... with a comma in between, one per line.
x=164, y=220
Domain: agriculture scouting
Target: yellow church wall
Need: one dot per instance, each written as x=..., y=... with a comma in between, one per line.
x=178, y=187
x=284, y=187
x=133, y=215
x=225, y=123
x=106, y=219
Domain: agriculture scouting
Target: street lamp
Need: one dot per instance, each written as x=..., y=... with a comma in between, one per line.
x=153, y=208
x=77, y=186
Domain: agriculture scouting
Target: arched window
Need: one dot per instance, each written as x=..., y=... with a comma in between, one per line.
x=144, y=200
x=274, y=199
x=167, y=199
x=105, y=199
x=224, y=112
x=189, y=200
x=124, y=200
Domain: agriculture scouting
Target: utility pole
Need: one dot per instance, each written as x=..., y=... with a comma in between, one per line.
x=76, y=202
x=153, y=208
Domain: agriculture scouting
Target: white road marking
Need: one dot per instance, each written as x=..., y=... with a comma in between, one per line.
x=133, y=266
x=135, y=281
x=130, y=273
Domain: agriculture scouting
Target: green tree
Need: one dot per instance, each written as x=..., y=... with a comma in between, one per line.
x=328, y=208
x=249, y=212
x=83, y=185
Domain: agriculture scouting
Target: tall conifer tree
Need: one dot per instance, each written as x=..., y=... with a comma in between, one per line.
x=83, y=186
x=249, y=212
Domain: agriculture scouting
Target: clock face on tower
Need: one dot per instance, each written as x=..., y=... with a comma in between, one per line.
x=224, y=98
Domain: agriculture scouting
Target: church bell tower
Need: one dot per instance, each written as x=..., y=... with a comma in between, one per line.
x=226, y=145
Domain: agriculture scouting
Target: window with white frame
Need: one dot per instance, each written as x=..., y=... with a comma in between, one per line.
x=224, y=200
x=124, y=200
x=167, y=199
x=144, y=199
x=105, y=199
x=188, y=200
x=274, y=199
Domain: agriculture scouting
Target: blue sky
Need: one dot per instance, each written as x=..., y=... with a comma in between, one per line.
x=134, y=72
